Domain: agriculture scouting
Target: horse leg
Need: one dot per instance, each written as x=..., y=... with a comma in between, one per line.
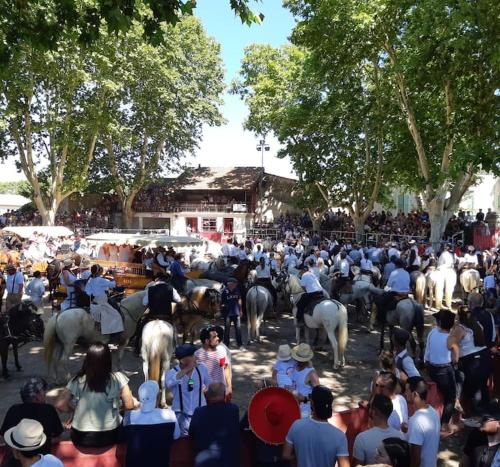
x=382, y=338
x=335, y=347
x=4, y=352
x=16, y=356
x=391, y=331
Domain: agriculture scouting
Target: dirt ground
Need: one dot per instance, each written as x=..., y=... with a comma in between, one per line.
x=250, y=366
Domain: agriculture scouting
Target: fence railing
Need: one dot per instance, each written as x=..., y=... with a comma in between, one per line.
x=194, y=207
x=91, y=231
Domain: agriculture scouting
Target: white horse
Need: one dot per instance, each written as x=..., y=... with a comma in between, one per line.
x=450, y=281
x=329, y=314
x=158, y=340
x=470, y=280
x=258, y=302
x=64, y=329
x=360, y=295
x=434, y=287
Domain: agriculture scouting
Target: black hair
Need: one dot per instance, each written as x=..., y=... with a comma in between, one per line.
x=400, y=337
x=418, y=385
x=465, y=317
x=95, y=270
x=382, y=404
x=96, y=367
x=398, y=451
x=37, y=274
x=322, y=399
x=32, y=453
x=446, y=320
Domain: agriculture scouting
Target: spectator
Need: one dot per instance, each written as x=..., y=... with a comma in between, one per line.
x=34, y=406
x=440, y=361
x=150, y=431
x=36, y=289
x=313, y=441
x=386, y=384
x=482, y=447
x=188, y=383
x=394, y=452
x=405, y=366
x=284, y=367
x=215, y=358
x=14, y=286
x=26, y=440
x=215, y=430
x=475, y=360
x=231, y=310
x=93, y=397
x=367, y=442
x=484, y=318
x=304, y=378
x=423, y=426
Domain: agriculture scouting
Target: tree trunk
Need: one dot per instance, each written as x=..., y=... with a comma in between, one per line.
x=359, y=227
x=127, y=213
x=438, y=217
x=48, y=215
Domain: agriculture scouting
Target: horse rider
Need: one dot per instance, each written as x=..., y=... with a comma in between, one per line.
x=36, y=289
x=273, y=265
x=414, y=260
x=100, y=310
x=67, y=279
x=398, y=285
x=84, y=272
x=263, y=272
x=14, y=285
x=291, y=260
x=177, y=273
x=313, y=290
x=393, y=251
x=447, y=258
x=470, y=258
x=366, y=266
x=160, y=258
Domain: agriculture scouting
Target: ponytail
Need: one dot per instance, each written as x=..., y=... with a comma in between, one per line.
x=95, y=270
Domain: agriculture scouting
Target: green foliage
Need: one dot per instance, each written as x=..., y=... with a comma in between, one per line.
x=42, y=23
x=159, y=99
x=14, y=188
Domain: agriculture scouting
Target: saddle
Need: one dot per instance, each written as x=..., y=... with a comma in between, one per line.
x=315, y=301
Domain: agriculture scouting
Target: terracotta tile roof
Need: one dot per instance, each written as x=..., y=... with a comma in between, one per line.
x=218, y=178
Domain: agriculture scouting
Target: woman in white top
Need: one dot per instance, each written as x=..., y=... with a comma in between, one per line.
x=304, y=377
x=100, y=309
x=440, y=363
x=475, y=359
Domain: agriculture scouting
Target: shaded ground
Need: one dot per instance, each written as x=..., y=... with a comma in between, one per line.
x=250, y=366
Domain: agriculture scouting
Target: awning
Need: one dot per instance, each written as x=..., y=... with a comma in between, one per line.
x=27, y=231
x=144, y=240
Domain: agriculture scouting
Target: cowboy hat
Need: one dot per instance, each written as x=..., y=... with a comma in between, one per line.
x=85, y=263
x=284, y=353
x=271, y=413
x=67, y=262
x=302, y=352
x=27, y=435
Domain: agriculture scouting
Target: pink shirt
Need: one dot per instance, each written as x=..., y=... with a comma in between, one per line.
x=214, y=361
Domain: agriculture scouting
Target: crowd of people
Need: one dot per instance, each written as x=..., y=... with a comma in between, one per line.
x=101, y=409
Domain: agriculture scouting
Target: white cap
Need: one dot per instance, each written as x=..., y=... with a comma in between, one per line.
x=148, y=393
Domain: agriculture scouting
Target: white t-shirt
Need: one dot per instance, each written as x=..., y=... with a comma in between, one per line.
x=310, y=282
x=284, y=372
x=154, y=417
x=367, y=442
x=423, y=430
x=400, y=413
x=48, y=460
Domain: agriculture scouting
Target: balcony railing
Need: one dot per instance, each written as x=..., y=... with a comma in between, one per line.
x=192, y=207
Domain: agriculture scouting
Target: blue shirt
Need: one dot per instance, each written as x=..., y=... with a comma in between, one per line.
x=230, y=302
x=176, y=269
x=399, y=281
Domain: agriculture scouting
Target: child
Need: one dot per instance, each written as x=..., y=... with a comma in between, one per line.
x=284, y=367
x=405, y=366
x=231, y=310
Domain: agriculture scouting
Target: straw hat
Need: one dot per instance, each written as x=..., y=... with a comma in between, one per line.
x=284, y=353
x=302, y=353
x=27, y=435
x=85, y=263
x=67, y=262
x=271, y=413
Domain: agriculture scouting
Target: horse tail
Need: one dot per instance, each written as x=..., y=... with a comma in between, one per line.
x=343, y=328
x=252, y=308
x=420, y=283
x=50, y=340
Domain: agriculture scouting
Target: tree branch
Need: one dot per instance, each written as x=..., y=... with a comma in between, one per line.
x=448, y=148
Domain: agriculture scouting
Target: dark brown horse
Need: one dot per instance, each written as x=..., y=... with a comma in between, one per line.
x=19, y=325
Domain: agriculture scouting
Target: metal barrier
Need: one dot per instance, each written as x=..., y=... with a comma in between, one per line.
x=94, y=230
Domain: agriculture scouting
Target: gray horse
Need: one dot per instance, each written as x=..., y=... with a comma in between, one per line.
x=258, y=301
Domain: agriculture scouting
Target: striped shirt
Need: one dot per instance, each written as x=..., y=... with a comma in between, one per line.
x=214, y=361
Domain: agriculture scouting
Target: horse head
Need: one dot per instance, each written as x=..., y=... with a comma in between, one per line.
x=213, y=298
x=25, y=321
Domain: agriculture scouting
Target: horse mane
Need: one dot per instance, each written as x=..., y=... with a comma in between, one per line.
x=294, y=283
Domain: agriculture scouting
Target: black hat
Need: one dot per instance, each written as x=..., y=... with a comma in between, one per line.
x=184, y=350
x=444, y=317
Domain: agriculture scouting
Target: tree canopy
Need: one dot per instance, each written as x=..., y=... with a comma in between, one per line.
x=42, y=23
x=441, y=61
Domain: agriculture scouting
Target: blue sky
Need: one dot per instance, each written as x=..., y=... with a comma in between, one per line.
x=230, y=145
